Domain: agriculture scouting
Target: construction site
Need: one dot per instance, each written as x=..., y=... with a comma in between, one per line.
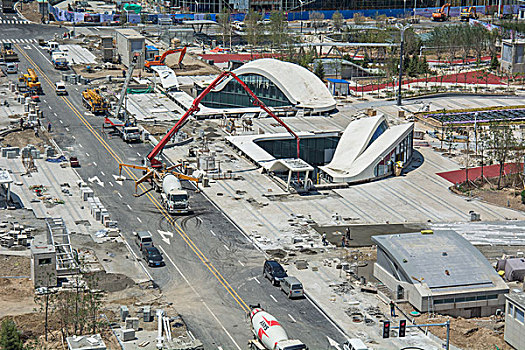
x=159, y=191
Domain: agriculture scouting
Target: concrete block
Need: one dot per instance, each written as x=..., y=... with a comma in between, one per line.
x=10, y=149
x=146, y=314
x=86, y=193
x=127, y=334
x=96, y=214
x=11, y=155
x=132, y=323
x=124, y=313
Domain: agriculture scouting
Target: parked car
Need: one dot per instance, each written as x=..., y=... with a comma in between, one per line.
x=73, y=162
x=274, y=272
x=152, y=256
x=292, y=287
x=11, y=68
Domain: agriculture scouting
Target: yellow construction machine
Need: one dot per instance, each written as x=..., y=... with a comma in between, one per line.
x=93, y=100
x=30, y=79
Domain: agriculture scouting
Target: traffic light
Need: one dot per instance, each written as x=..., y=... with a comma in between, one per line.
x=386, y=329
x=402, y=328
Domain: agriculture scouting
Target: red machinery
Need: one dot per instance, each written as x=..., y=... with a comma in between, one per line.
x=155, y=163
x=159, y=59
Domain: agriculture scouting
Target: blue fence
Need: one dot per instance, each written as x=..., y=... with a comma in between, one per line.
x=78, y=17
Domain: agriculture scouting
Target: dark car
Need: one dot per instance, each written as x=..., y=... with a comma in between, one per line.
x=152, y=256
x=274, y=272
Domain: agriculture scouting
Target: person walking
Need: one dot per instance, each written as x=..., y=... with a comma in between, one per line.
x=325, y=242
x=348, y=237
x=343, y=242
x=392, y=309
x=49, y=127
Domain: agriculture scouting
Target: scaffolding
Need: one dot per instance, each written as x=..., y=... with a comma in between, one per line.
x=58, y=236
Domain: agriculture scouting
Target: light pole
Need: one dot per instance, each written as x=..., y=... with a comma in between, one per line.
x=196, y=7
x=402, y=28
x=301, y=2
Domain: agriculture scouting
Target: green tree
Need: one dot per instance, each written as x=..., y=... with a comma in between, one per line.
x=278, y=29
x=319, y=70
x=253, y=28
x=224, y=20
x=501, y=143
x=317, y=19
x=494, y=63
x=10, y=336
x=338, y=21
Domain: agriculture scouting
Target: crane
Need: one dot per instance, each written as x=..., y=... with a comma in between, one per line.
x=159, y=59
x=156, y=168
x=155, y=163
x=441, y=15
x=124, y=90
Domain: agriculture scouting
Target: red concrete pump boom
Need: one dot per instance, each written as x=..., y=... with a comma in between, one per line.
x=155, y=163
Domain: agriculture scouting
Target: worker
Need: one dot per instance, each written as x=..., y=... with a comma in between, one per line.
x=49, y=127
x=348, y=236
x=21, y=123
x=343, y=242
x=36, y=131
x=325, y=242
x=123, y=73
x=392, y=309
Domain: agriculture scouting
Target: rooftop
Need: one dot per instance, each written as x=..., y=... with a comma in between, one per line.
x=443, y=260
x=85, y=342
x=517, y=296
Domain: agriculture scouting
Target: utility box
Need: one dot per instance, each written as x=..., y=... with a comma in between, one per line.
x=124, y=313
x=513, y=56
x=43, y=264
x=130, y=42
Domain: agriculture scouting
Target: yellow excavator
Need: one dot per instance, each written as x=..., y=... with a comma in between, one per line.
x=468, y=13
x=93, y=100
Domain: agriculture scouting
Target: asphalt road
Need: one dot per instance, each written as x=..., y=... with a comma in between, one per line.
x=213, y=272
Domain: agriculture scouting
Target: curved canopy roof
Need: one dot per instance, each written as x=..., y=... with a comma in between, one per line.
x=302, y=87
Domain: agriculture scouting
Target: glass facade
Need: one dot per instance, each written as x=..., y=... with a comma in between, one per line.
x=315, y=151
x=401, y=153
x=233, y=94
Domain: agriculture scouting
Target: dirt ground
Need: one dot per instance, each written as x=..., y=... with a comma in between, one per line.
x=26, y=137
x=191, y=66
x=16, y=289
x=30, y=11
x=473, y=334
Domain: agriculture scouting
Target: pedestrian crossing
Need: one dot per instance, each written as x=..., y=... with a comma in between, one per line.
x=19, y=41
x=13, y=21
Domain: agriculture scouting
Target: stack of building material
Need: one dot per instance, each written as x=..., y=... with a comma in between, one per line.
x=18, y=235
x=10, y=152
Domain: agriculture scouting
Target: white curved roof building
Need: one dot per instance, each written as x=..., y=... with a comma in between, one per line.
x=277, y=84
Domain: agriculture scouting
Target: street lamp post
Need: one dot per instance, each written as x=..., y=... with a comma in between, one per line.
x=402, y=28
x=301, y=2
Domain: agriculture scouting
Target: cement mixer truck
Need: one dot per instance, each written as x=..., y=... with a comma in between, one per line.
x=269, y=334
x=174, y=197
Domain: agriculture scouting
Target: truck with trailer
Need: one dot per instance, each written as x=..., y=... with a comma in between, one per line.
x=269, y=334
x=127, y=131
x=59, y=60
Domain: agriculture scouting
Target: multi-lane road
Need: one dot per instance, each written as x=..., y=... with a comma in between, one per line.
x=213, y=272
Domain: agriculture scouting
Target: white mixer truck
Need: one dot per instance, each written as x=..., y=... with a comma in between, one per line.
x=174, y=197
x=269, y=334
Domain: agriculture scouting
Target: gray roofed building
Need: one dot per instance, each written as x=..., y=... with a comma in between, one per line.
x=515, y=319
x=439, y=271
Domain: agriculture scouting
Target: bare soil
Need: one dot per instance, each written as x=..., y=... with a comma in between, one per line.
x=16, y=290
x=27, y=137
x=30, y=11
x=190, y=66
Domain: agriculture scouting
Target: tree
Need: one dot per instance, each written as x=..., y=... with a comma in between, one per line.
x=358, y=19
x=338, y=21
x=316, y=18
x=10, y=336
x=501, y=144
x=319, y=70
x=224, y=19
x=253, y=28
x=494, y=63
x=278, y=29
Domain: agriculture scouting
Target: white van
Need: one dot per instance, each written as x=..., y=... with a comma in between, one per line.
x=11, y=68
x=354, y=344
x=292, y=287
x=60, y=88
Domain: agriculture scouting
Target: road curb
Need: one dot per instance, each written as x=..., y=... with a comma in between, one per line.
x=20, y=13
x=325, y=314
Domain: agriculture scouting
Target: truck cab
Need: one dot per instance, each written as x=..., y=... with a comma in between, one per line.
x=131, y=134
x=176, y=201
x=59, y=60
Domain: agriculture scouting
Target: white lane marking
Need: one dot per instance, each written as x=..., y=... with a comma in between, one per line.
x=73, y=136
x=256, y=280
x=119, y=194
x=273, y=298
x=197, y=294
x=61, y=122
x=228, y=249
x=139, y=154
x=102, y=173
x=130, y=146
x=95, y=163
x=139, y=219
x=110, y=183
x=87, y=154
x=81, y=145
x=56, y=115
x=67, y=129
x=49, y=107
x=213, y=233
x=129, y=207
x=293, y=319
x=240, y=262
x=191, y=335
x=47, y=59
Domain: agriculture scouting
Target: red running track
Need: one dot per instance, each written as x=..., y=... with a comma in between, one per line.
x=489, y=171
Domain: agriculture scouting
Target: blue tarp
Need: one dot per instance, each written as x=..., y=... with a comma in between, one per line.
x=339, y=81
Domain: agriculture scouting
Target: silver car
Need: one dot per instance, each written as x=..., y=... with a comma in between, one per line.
x=292, y=287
